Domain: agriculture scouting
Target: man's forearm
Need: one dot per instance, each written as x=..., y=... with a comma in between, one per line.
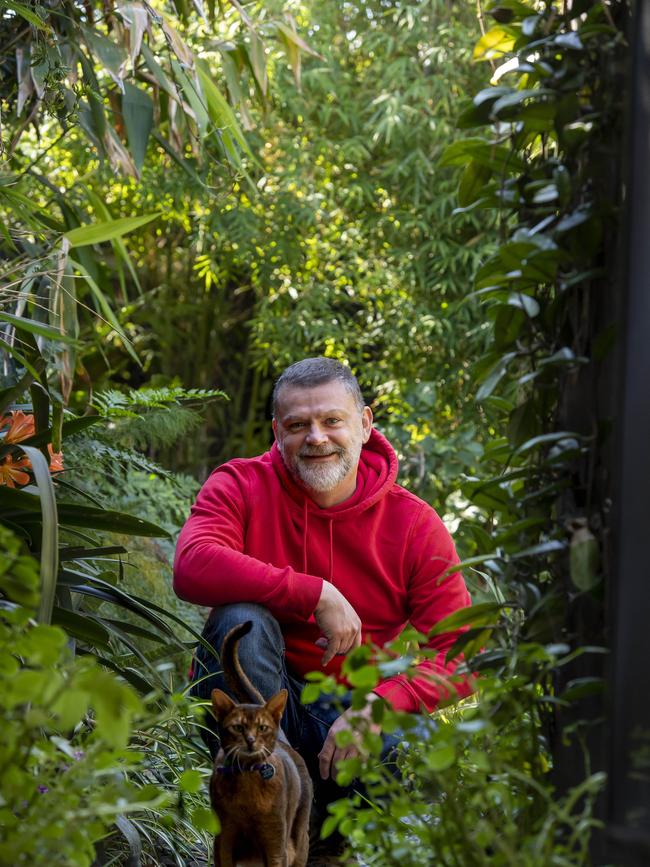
x=210, y=574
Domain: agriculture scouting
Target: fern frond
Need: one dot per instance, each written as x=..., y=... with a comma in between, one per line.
x=106, y=459
x=133, y=403
x=158, y=428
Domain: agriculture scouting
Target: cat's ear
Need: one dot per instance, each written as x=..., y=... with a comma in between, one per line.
x=276, y=704
x=222, y=704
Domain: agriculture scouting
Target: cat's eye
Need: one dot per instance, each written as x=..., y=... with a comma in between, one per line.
x=236, y=727
x=262, y=728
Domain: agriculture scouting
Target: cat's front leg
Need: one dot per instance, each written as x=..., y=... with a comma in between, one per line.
x=274, y=845
x=224, y=845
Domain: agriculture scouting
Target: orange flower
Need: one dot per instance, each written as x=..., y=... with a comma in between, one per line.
x=56, y=460
x=12, y=472
x=20, y=424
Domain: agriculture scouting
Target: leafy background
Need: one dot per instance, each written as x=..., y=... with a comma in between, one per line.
x=192, y=197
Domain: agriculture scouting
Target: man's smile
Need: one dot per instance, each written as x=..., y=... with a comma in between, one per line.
x=319, y=457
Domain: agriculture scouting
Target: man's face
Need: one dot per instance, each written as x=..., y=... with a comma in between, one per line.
x=320, y=431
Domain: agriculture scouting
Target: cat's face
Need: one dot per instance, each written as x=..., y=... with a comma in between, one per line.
x=248, y=732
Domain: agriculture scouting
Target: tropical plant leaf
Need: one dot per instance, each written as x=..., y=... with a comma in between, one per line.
x=97, y=233
x=82, y=626
x=27, y=13
x=483, y=614
x=49, y=532
x=38, y=328
x=137, y=111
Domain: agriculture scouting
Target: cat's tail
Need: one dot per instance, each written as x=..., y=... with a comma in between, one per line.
x=235, y=676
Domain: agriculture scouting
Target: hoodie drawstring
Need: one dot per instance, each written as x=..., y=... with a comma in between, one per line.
x=331, y=565
x=330, y=569
x=305, y=513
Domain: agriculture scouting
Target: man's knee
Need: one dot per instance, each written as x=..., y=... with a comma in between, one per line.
x=261, y=652
x=266, y=628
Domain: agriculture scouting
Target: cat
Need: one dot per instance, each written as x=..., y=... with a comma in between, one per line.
x=260, y=787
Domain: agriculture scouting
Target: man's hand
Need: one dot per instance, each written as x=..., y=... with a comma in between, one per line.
x=330, y=755
x=338, y=621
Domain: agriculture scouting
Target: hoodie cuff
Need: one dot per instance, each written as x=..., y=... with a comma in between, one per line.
x=395, y=692
x=306, y=590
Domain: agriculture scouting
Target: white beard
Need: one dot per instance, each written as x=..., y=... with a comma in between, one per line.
x=323, y=477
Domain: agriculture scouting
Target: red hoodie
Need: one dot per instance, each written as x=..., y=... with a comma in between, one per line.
x=254, y=535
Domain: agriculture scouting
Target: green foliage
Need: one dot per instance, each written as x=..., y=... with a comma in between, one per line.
x=63, y=774
x=315, y=218
x=546, y=127
x=475, y=787
x=481, y=788
x=87, y=768
x=156, y=416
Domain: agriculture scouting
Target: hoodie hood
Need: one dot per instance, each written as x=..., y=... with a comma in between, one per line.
x=376, y=474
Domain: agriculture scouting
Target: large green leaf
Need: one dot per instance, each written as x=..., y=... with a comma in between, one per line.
x=107, y=593
x=97, y=233
x=26, y=505
x=15, y=501
x=221, y=114
x=140, y=683
x=494, y=44
x=38, y=328
x=28, y=14
x=85, y=627
x=494, y=156
x=49, y=532
x=137, y=111
x=485, y=614
x=103, y=519
x=102, y=213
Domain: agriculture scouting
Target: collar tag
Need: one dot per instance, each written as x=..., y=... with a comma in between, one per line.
x=266, y=771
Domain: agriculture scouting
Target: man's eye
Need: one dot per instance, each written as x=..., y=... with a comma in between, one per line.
x=296, y=425
x=333, y=420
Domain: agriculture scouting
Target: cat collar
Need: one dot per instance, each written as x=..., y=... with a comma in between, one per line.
x=265, y=769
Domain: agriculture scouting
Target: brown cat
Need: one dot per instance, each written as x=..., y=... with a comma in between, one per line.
x=260, y=788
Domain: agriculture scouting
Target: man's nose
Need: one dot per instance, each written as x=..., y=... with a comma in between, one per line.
x=316, y=435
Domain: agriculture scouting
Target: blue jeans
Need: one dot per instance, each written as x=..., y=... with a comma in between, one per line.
x=261, y=654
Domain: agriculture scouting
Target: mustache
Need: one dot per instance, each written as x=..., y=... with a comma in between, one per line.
x=319, y=451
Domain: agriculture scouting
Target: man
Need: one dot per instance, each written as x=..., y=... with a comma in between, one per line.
x=316, y=543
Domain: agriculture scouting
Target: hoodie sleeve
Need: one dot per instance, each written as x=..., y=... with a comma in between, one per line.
x=211, y=569
x=432, y=597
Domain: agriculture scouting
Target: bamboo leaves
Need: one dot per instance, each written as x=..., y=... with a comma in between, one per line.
x=107, y=230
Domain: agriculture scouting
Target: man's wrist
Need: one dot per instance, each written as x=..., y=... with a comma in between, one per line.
x=366, y=710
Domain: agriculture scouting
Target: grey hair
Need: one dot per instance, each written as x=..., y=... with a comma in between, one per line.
x=317, y=371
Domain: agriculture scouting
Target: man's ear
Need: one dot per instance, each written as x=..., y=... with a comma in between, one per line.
x=274, y=425
x=366, y=423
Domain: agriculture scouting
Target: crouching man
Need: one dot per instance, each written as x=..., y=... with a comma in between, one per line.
x=316, y=543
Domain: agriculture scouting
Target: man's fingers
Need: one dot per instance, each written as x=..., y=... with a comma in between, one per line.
x=340, y=755
x=330, y=653
x=325, y=757
x=338, y=644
